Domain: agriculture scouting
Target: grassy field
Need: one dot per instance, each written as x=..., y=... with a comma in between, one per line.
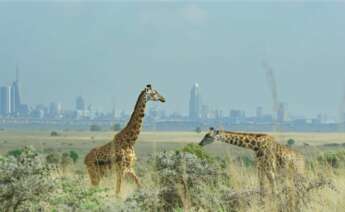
x=150, y=142
x=147, y=141
x=154, y=142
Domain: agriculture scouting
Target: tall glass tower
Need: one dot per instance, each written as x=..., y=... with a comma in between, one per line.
x=15, y=95
x=5, y=100
x=194, y=103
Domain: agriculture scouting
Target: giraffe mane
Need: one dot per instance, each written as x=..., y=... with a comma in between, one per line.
x=245, y=133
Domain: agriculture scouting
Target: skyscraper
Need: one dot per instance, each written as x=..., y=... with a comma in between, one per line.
x=259, y=112
x=281, y=112
x=16, y=106
x=194, y=103
x=5, y=100
x=80, y=104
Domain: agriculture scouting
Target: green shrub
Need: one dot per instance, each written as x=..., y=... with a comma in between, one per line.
x=54, y=133
x=246, y=160
x=53, y=158
x=29, y=183
x=291, y=142
x=15, y=153
x=179, y=178
x=333, y=159
x=74, y=195
x=74, y=155
x=25, y=181
x=198, y=151
x=66, y=161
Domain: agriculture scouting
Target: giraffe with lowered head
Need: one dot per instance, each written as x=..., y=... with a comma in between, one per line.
x=119, y=153
x=272, y=158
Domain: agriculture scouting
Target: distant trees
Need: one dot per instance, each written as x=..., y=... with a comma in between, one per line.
x=95, y=127
x=291, y=142
x=15, y=153
x=116, y=127
x=74, y=155
x=54, y=133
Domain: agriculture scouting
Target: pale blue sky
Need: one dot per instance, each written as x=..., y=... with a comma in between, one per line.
x=107, y=51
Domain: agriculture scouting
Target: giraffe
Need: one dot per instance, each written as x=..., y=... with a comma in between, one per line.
x=272, y=158
x=119, y=153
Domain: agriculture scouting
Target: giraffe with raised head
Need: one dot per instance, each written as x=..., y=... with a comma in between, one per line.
x=119, y=153
x=272, y=158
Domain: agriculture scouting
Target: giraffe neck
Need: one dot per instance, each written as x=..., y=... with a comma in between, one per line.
x=245, y=140
x=131, y=131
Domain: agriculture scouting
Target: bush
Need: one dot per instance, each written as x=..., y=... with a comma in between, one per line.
x=53, y=158
x=74, y=155
x=198, y=130
x=291, y=142
x=181, y=180
x=246, y=160
x=66, y=160
x=95, y=127
x=25, y=181
x=74, y=195
x=29, y=183
x=198, y=151
x=15, y=153
x=54, y=133
x=333, y=159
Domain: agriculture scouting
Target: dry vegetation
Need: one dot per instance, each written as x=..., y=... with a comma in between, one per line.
x=175, y=177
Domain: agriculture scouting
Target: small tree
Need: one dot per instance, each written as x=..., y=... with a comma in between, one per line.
x=95, y=127
x=66, y=160
x=54, y=133
x=25, y=181
x=74, y=155
x=15, y=153
x=291, y=142
x=53, y=158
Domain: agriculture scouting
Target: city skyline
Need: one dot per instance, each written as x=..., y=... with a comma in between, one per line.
x=10, y=105
x=70, y=49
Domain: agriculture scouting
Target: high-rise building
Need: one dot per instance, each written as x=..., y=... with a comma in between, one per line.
x=80, y=104
x=194, y=102
x=281, y=112
x=15, y=95
x=237, y=116
x=16, y=106
x=55, y=109
x=259, y=112
x=5, y=100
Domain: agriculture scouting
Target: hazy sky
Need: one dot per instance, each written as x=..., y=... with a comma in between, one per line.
x=107, y=52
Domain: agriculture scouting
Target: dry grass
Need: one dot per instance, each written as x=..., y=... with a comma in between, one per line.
x=242, y=177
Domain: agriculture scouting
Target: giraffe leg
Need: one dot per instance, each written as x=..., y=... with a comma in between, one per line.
x=132, y=174
x=94, y=175
x=119, y=176
x=261, y=176
x=272, y=180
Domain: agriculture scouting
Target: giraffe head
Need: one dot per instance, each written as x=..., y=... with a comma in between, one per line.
x=153, y=95
x=210, y=137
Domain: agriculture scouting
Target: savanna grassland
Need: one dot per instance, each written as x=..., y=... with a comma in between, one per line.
x=219, y=177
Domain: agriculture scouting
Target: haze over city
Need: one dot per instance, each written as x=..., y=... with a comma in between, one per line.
x=108, y=52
